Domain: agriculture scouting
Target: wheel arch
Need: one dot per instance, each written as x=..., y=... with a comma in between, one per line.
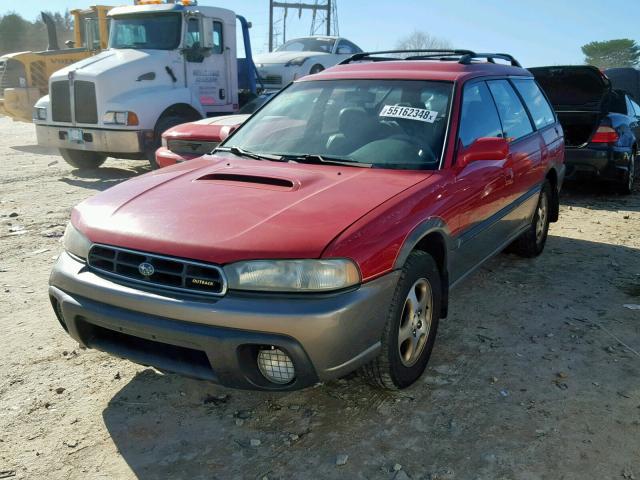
x=181, y=109
x=431, y=236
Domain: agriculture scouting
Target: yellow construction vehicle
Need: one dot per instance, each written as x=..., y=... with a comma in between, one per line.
x=24, y=76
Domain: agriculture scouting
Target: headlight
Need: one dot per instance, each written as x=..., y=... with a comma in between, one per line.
x=40, y=113
x=296, y=62
x=120, y=118
x=292, y=275
x=75, y=242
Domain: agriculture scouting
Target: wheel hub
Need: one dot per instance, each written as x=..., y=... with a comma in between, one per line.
x=415, y=322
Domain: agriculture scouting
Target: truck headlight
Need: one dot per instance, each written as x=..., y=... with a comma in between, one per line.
x=292, y=275
x=296, y=62
x=120, y=118
x=75, y=242
x=40, y=113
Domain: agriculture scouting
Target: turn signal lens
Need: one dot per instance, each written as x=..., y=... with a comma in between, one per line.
x=605, y=135
x=132, y=119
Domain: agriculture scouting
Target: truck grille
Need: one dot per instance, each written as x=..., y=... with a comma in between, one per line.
x=158, y=271
x=60, y=101
x=85, y=102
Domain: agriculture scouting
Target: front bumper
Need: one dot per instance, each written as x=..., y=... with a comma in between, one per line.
x=607, y=164
x=165, y=157
x=275, y=76
x=326, y=335
x=95, y=139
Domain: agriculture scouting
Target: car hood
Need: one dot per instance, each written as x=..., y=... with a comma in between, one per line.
x=205, y=129
x=573, y=86
x=223, y=209
x=284, y=57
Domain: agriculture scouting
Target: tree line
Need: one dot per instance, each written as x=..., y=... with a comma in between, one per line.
x=19, y=35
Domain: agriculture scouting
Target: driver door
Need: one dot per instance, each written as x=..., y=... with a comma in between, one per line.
x=208, y=75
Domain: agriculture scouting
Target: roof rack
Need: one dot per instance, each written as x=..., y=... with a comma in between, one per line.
x=465, y=57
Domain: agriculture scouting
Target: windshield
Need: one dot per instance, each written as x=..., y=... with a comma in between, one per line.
x=384, y=123
x=254, y=104
x=308, y=45
x=146, y=31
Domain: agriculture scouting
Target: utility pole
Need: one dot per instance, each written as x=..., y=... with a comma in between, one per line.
x=328, y=7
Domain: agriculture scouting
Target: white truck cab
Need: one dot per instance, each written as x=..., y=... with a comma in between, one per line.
x=167, y=63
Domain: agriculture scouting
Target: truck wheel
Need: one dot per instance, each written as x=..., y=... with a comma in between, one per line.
x=531, y=243
x=412, y=323
x=626, y=186
x=164, y=124
x=316, y=69
x=82, y=160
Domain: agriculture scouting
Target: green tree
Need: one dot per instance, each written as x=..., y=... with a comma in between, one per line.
x=622, y=52
x=14, y=33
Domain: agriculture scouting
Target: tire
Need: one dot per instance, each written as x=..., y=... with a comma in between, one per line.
x=82, y=160
x=164, y=124
x=531, y=243
x=626, y=186
x=395, y=367
x=317, y=68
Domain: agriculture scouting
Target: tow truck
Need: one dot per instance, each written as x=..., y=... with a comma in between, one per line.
x=24, y=75
x=166, y=64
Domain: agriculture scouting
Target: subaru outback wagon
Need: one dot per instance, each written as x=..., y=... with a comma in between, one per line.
x=325, y=234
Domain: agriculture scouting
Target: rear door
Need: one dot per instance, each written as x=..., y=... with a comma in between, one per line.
x=633, y=110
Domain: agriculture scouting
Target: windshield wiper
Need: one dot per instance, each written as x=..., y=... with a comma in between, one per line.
x=322, y=160
x=240, y=152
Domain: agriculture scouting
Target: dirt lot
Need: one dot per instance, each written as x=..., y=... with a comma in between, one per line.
x=535, y=375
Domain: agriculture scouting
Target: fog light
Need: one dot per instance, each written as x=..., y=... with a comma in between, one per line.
x=275, y=365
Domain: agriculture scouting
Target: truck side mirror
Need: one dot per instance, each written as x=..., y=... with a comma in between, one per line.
x=207, y=34
x=486, y=148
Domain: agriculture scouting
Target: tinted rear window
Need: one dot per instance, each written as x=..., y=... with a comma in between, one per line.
x=536, y=102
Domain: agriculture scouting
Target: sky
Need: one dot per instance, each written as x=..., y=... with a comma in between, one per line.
x=540, y=32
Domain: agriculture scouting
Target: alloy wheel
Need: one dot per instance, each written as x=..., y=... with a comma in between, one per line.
x=415, y=322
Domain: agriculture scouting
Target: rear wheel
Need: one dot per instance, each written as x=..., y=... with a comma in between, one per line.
x=531, y=243
x=412, y=323
x=626, y=186
x=82, y=160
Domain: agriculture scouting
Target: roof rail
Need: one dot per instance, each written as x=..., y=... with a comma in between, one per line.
x=464, y=57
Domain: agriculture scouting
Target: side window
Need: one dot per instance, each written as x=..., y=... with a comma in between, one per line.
x=354, y=47
x=536, y=102
x=636, y=108
x=193, y=34
x=345, y=48
x=515, y=121
x=217, y=37
x=479, y=117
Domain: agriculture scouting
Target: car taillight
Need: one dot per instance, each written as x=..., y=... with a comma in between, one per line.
x=605, y=135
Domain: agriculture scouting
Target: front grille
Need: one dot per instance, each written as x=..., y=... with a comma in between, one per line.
x=168, y=273
x=60, y=101
x=272, y=79
x=85, y=102
x=191, y=147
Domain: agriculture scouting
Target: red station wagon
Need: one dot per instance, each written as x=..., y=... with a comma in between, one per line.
x=325, y=234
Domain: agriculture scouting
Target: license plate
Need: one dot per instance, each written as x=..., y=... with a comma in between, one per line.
x=75, y=135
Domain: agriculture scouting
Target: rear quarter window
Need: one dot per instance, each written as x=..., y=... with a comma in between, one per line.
x=536, y=102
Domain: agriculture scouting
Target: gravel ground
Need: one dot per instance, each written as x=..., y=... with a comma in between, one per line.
x=535, y=374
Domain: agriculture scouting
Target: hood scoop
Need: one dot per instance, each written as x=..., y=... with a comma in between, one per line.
x=242, y=179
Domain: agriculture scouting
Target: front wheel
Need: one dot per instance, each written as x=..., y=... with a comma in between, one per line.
x=531, y=243
x=412, y=323
x=82, y=160
x=316, y=69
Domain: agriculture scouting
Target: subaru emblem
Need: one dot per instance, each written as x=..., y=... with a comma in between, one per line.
x=146, y=269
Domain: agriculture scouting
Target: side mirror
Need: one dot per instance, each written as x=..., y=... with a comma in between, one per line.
x=207, y=34
x=487, y=148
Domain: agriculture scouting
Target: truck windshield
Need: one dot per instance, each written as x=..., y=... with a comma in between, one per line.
x=146, y=31
x=397, y=124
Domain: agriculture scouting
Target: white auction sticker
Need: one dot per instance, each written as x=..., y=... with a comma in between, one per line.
x=420, y=114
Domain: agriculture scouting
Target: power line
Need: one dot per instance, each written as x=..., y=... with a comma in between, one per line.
x=324, y=18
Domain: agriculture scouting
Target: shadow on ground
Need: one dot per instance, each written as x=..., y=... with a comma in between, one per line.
x=599, y=196
x=491, y=404
x=36, y=150
x=103, y=178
